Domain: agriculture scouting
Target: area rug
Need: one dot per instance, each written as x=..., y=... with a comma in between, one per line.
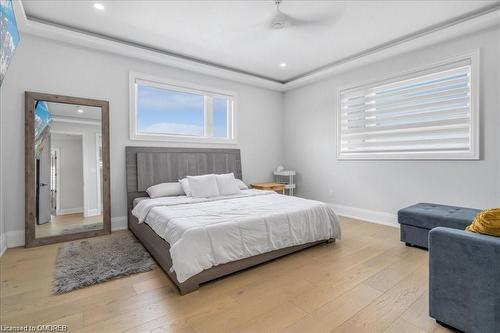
x=84, y=263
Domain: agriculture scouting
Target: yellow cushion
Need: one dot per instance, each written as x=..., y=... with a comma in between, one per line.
x=487, y=222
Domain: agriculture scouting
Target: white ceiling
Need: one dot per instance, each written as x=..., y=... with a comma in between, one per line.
x=62, y=110
x=236, y=34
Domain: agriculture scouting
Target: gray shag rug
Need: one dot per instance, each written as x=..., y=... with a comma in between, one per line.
x=84, y=263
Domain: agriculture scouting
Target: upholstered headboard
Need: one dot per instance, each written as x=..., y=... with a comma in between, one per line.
x=148, y=166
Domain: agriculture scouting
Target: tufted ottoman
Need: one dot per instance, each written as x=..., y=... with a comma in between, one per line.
x=416, y=221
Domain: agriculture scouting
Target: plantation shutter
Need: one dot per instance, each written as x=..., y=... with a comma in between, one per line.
x=424, y=115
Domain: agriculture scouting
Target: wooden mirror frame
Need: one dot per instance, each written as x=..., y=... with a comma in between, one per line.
x=29, y=139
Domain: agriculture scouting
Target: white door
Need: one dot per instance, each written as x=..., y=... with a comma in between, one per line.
x=54, y=181
x=44, y=199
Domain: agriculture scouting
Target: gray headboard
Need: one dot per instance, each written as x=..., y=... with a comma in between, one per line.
x=148, y=166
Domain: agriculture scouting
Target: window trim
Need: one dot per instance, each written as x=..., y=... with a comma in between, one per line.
x=473, y=154
x=208, y=92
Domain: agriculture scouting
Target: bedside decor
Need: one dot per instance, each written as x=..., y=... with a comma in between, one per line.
x=285, y=177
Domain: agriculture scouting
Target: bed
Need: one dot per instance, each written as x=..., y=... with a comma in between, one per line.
x=198, y=240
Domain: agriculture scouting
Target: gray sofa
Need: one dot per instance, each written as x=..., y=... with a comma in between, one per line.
x=464, y=280
x=417, y=220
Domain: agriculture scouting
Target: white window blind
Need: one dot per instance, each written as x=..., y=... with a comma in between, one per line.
x=429, y=114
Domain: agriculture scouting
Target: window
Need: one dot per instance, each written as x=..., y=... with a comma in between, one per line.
x=180, y=112
x=429, y=114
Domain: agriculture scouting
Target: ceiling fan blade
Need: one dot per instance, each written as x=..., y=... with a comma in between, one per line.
x=323, y=20
x=281, y=20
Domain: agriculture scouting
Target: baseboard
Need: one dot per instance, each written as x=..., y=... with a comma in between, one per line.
x=69, y=211
x=14, y=238
x=367, y=215
x=92, y=212
x=119, y=223
x=3, y=244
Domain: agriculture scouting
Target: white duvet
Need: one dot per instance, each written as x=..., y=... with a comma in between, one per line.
x=203, y=233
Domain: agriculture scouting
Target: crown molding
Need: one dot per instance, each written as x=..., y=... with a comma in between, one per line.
x=481, y=19
x=124, y=48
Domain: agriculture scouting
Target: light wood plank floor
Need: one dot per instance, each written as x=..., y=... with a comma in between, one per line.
x=68, y=223
x=367, y=282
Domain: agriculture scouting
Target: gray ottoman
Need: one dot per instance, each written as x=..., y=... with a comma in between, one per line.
x=416, y=221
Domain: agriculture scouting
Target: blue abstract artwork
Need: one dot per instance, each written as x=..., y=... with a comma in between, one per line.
x=43, y=118
x=9, y=36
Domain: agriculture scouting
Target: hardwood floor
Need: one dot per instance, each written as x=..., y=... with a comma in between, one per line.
x=367, y=282
x=69, y=223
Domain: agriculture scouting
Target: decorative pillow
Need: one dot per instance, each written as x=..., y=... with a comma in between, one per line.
x=241, y=184
x=226, y=184
x=487, y=222
x=185, y=186
x=165, y=190
x=203, y=186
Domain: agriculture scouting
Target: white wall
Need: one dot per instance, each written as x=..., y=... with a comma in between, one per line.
x=70, y=175
x=46, y=66
x=3, y=240
x=89, y=132
x=305, y=131
x=386, y=186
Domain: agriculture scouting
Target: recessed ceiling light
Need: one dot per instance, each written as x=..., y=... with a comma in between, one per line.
x=80, y=110
x=283, y=65
x=98, y=6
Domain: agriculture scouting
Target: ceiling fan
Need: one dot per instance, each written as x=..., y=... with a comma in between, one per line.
x=281, y=20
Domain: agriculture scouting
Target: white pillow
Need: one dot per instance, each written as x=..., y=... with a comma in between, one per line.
x=203, y=186
x=226, y=184
x=185, y=186
x=165, y=190
x=241, y=184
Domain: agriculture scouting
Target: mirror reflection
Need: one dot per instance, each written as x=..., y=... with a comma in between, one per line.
x=68, y=169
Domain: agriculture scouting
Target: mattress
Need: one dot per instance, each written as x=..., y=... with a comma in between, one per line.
x=204, y=233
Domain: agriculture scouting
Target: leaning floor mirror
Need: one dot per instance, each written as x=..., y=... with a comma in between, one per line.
x=67, y=168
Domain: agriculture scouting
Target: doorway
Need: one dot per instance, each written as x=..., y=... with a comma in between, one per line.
x=54, y=181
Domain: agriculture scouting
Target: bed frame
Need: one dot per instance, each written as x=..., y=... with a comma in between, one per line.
x=148, y=166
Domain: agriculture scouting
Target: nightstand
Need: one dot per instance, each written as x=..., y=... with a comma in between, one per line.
x=276, y=187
